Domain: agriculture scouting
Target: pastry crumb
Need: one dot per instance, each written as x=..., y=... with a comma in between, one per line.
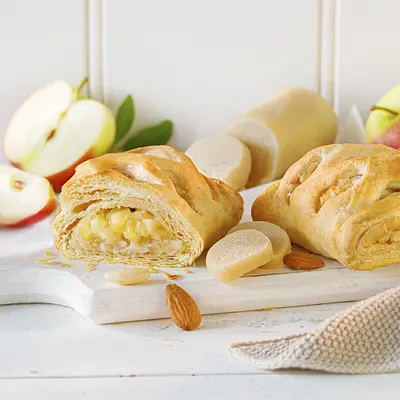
x=50, y=253
x=65, y=265
x=46, y=261
x=172, y=277
x=90, y=267
x=187, y=271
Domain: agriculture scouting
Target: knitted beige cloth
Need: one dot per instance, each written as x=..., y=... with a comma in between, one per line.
x=364, y=339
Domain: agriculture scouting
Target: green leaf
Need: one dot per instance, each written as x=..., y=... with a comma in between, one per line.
x=125, y=118
x=152, y=136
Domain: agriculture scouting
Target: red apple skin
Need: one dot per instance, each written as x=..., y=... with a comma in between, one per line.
x=57, y=180
x=43, y=213
x=390, y=138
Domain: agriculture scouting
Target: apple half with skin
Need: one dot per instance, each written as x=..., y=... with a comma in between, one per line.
x=383, y=123
x=55, y=130
x=24, y=198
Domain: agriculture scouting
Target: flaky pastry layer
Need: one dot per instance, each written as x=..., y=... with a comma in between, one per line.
x=158, y=180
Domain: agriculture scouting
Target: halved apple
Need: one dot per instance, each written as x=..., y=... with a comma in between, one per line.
x=55, y=130
x=24, y=198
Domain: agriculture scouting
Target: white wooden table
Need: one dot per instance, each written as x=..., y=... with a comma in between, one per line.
x=50, y=352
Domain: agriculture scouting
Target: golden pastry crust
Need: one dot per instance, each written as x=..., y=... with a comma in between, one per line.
x=340, y=201
x=197, y=210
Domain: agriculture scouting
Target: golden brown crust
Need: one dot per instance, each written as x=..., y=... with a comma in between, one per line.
x=159, y=179
x=341, y=201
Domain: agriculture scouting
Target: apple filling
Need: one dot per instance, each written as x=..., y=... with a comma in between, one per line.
x=382, y=234
x=126, y=231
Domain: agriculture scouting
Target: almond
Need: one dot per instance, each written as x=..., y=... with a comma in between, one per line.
x=182, y=308
x=303, y=261
x=127, y=276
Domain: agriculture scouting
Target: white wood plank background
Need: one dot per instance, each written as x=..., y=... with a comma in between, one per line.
x=40, y=40
x=367, y=64
x=284, y=386
x=202, y=63
x=53, y=341
x=41, y=345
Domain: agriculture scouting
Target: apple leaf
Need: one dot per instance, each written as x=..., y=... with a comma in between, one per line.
x=152, y=136
x=125, y=118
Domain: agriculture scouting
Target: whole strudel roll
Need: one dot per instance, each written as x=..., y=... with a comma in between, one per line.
x=340, y=201
x=149, y=206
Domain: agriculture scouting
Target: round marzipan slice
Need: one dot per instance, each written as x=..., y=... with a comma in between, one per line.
x=237, y=254
x=279, y=239
x=222, y=157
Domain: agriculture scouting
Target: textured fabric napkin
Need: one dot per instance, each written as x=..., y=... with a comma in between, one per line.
x=364, y=339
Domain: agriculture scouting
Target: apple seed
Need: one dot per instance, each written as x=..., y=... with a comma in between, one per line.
x=17, y=184
x=51, y=135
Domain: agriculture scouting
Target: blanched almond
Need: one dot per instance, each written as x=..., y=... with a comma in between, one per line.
x=127, y=276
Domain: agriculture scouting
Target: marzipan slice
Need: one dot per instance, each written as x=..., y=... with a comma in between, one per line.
x=222, y=157
x=237, y=254
x=279, y=239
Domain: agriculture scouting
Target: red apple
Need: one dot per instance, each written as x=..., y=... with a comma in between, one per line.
x=24, y=198
x=55, y=129
x=391, y=137
x=383, y=123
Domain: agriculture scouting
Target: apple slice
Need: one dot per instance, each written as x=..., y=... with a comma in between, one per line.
x=24, y=198
x=55, y=130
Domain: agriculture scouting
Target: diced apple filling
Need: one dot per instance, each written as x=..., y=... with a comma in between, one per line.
x=125, y=231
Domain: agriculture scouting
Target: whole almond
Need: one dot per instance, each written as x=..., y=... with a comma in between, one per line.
x=182, y=308
x=303, y=261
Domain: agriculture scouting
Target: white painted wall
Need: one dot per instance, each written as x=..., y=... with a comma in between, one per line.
x=40, y=40
x=367, y=58
x=200, y=63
